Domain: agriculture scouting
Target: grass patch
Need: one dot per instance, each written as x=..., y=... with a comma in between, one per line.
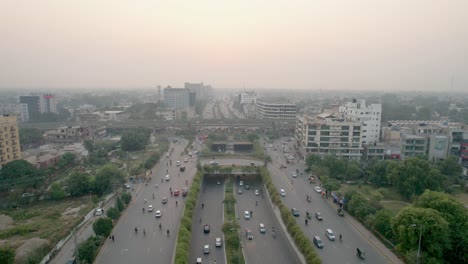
x=393, y=206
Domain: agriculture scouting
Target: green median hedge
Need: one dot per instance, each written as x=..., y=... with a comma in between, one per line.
x=185, y=230
x=301, y=241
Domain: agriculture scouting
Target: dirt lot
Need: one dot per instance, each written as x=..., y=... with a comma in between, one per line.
x=41, y=225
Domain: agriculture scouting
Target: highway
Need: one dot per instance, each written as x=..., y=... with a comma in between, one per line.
x=296, y=191
x=213, y=215
x=263, y=248
x=155, y=246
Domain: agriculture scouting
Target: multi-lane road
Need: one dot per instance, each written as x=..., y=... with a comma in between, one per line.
x=135, y=247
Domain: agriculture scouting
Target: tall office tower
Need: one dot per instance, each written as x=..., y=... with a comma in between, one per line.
x=177, y=98
x=370, y=115
x=10, y=148
x=20, y=110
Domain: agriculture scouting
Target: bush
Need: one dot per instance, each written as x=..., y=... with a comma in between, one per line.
x=7, y=256
x=126, y=197
x=103, y=226
x=119, y=204
x=113, y=213
x=88, y=250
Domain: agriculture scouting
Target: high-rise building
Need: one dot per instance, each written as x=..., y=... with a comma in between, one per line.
x=326, y=134
x=247, y=97
x=10, y=148
x=20, y=110
x=370, y=115
x=176, y=98
x=44, y=103
x=275, y=109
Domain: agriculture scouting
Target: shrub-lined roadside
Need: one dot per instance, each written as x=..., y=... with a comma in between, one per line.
x=231, y=226
x=301, y=241
x=185, y=228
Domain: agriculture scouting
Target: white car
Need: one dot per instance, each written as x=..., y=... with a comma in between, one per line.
x=294, y=174
x=218, y=242
x=206, y=249
x=177, y=163
x=168, y=177
x=213, y=162
x=262, y=228
x=158, y=214
x=246, y=215
x=99, y=212
x=318, y=189
x=257, y=193
x=330, y=234
x=241, y=183
x=150, y=208
x=282, y=193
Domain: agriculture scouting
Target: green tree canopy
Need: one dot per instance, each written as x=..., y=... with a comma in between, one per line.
x=410, y=221
x=78, y=183
x=30, y=136
x=107, y=178
x=135, y=139
x=103, y=226
x=450, y=167
x=17, y=169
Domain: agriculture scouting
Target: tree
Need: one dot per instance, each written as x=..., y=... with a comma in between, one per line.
x=66, y=160
x=88, y=250
x=17, y=169
x=359, y=206
x=330, y=184
x=410, y=221
x=353, y=170
x=113, y=213
x=135, y=139
x=126, y=198
x=56, y=192
x=377, y=171
x=7, y=256
x=30, y=136
x=103, y=226
x=107, y=178
x=78, y=183
x=119, y=204
x=456, y=215
x=450, y=167
x=382, y=224
x=88, y=144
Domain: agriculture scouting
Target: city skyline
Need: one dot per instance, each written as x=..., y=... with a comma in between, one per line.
x=320, y=45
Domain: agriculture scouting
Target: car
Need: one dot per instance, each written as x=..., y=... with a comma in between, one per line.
x=158, y=214
x=150, y=208
x=164, y=200
x=186, y=160
x=213, y=162
x=318, y=242
x=257, y=193
x=249, y=234
x=199, y=261
x=239, y=191
x=246, y=215
x=330, y=234
x=206, y=249
x=190, y=153
x=294, y=174
x=282, y=193
x=176, y=192
x=206, y=229
x=127, y=186
x=182, y=168
x=218, y=242
x=168, y=177
x=283, y=166
x=247, y=187
x=295, y=212
x=271, y=145
x=318, y=216
x=184, y=191
x=262, y=228
x=241, y=183
x=99, y=212
x=318, y=189
x=177, y=163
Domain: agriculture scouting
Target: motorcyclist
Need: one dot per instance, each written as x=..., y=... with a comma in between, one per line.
x=202, y=205
x=341, y=237
x=256, y=203
x=176, y=203
x=167, y=232
x=160, y=226
x=136, y=230
x=144, y=232
x=143, y=210
x=306, y=222
x=358, y=252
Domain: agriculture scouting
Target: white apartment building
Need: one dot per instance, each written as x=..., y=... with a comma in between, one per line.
x=326, y=134
x=247, y=97
x=176, y=98
x=20, y=110
x=369, y=115
x=271, y=109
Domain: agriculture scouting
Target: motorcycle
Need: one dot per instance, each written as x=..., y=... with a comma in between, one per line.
x=360, y=254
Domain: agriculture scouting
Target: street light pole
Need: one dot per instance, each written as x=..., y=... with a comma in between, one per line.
x=419, y=247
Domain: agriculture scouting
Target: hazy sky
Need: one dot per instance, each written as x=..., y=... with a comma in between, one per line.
x=313, y=44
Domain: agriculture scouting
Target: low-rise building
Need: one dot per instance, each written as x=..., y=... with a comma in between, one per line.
x=275, y=109
x=68, y=135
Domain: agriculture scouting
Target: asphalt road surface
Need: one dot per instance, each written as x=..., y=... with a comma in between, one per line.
x=296, y=191
x=263, y=248
x=211, y=214
x=155, y=246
